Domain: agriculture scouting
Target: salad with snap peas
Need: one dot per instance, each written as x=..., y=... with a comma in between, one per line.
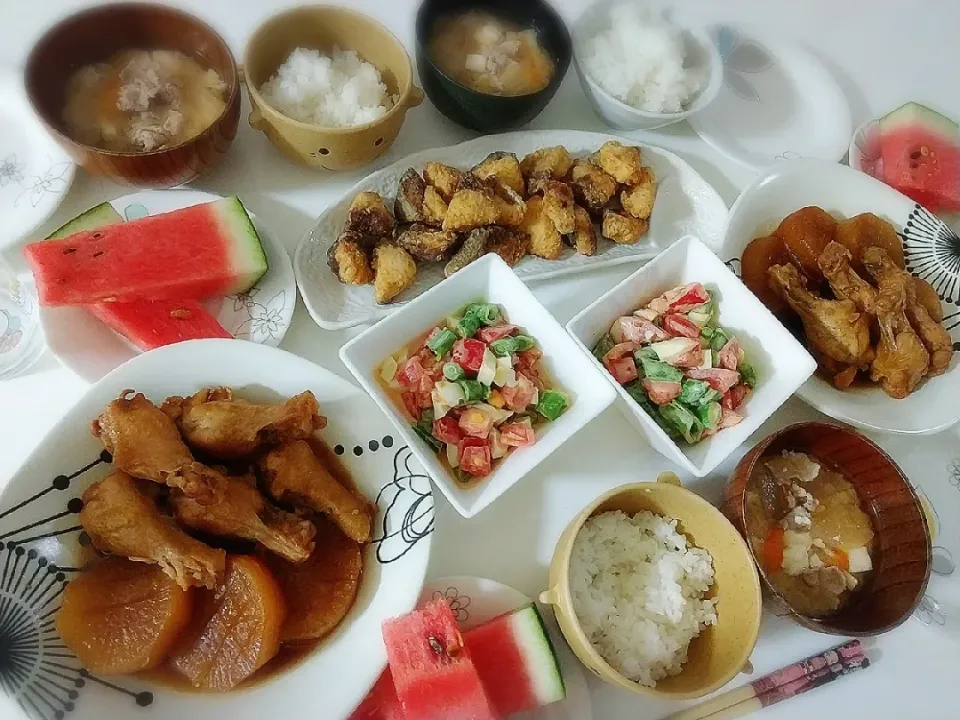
x=678, y=364
x=473, y=389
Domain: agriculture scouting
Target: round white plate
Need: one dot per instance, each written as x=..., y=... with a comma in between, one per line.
x=40, y=544
x=35, y=173
x=778, y=102
x=475, y=600
x=931, y=249
x=686, y=205
x=261, y=315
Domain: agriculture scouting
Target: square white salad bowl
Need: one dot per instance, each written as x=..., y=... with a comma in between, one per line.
x=781, y=363
x=487, y=279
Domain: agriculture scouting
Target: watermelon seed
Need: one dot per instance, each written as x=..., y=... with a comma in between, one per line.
x=435, y=645
x=379, y=142
x=98, y=253
x=69, y=250
x=323, y=151
x=916, y=154
x=97, y=235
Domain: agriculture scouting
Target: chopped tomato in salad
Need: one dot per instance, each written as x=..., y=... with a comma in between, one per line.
x=474, y=389
x=673, y=358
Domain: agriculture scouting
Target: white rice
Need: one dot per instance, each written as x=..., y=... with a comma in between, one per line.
x=340, y=90
x=638, y=58
x=638, y=590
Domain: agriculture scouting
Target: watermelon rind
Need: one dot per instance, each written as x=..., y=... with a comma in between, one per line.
x=539, y=654
x=96, y=217
x=913, y=114
x=247, y=251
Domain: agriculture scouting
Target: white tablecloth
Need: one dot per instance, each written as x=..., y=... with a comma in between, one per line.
x=883, y=52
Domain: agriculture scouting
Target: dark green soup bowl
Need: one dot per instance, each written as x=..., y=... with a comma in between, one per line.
x=480, y=111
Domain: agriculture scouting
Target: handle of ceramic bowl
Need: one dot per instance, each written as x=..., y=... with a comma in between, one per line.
x=548, y=597
x=415, y=98
x=255, y=118
x=669, y=478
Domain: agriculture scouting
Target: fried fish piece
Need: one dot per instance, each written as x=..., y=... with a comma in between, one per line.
x=592, y=187
x=227, y=427
x=511, y=204
x=638, y=199
x=622, y=162
x=553, y=161
x=501, y=165
x=122, y=521
x=146, y=444
x=348, y=260
x=584, y=235
x=623, y=229
x=443, y=177
x=243, y=513
x=394, y=271
x=434, y=207
x=558, y=205
x=545, y=241
x=427, y=243
x=471, y=209
x=295, y=475
x=368, y=215
x=473, y=247
x=408, y=207
x=510, y=244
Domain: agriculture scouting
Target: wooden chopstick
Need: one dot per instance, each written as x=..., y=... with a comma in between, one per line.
x=766, y=685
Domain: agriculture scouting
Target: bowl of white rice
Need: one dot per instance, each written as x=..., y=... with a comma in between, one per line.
x=330, y=87
x=656, y=592
x=639, y=70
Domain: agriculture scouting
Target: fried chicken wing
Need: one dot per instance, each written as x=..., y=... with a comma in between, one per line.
x=846, y=284
x=833, y=327
x=146, y=444
x=932, y=334
x=214, y=421
x=294, y=474
x=244, y=514
x=902, y=360
x=122, y=521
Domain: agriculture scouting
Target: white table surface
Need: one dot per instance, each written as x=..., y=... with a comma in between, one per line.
x=883, y=52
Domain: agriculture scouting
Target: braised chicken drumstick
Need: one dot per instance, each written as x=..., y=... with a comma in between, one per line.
x=846, y=284
x=122, y=521
x=243, y=513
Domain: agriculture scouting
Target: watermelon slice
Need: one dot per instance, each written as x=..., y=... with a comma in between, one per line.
x=920, y=151
x=192, y=253
x=433, y=673
x=148, y=324
x=514, y=658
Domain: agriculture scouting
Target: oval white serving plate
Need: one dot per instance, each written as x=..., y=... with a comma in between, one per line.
x=686, y=205
x=261, y=315
x=476, y=600
x=932, y=251
x=40, y=537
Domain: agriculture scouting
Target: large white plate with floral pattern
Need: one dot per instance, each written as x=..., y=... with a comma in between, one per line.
x=261, y=315
x=686, y=205
x=931, y=250
x=40, y=539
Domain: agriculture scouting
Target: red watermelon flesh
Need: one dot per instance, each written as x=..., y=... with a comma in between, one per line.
x=192, y=253
x=381, y=703
x=433, y=673
x=920, y=150
x=150, y=324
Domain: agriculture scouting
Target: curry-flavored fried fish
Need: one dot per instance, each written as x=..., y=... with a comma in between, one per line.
x=434, y=207
x=216, y=422
x=622, y=228
x=427, y=243
x=622, y=162
x=473, y=247
x=348, y=260
x=638, y=199
x=243, y=514
x=394, y=271
x=584, y=235
x=444, y=178
x=121, y=521
x=503, y=166
x=592, y=187
x=511, y=245
x=471, y=208
x=146, y=444
x=553, y=161
x=408, y=207
x=545, y=241
x=295, y=475
x=368, y=215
